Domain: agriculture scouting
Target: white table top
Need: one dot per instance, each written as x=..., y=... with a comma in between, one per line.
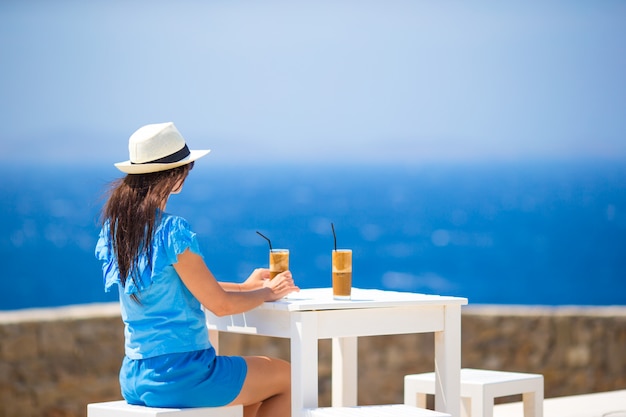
x=322, y=299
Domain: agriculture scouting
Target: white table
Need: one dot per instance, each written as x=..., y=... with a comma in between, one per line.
x=312, y=314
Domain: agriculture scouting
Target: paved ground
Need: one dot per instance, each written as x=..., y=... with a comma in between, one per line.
x=603, y=404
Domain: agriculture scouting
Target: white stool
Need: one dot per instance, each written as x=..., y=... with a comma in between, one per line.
x=123, y=409
x=394, y=410
x=479, y=388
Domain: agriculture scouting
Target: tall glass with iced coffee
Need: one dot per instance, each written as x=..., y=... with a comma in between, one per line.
x=342, y=274
x=279, y=261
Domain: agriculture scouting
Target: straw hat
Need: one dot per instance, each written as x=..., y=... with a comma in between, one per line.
x=157, y=147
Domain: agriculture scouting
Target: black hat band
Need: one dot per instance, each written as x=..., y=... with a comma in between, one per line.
x=169, y=159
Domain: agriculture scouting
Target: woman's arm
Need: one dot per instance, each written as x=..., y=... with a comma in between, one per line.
x=230, y=286
x=220, y=301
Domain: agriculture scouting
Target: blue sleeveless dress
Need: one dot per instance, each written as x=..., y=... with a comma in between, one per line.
x=169, y=361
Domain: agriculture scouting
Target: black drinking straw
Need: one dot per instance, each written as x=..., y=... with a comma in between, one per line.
x=266, y=238
x=334, y=235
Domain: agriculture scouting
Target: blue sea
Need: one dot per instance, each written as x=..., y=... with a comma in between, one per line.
x=534, y=233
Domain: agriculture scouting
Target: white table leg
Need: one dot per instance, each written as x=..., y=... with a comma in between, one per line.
x=304, y=358
x=466, y=407
x=533, y=404
x=448, y=363
x=483, y=407
x=344, y=372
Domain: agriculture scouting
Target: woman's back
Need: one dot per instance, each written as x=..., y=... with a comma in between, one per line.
x=166, y=318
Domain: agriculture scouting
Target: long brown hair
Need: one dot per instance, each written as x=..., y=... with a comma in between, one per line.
x=132, y=213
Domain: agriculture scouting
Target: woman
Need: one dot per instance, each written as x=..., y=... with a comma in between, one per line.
x=155, y=260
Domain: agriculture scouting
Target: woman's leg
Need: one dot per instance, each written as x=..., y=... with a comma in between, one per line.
x=266, y=392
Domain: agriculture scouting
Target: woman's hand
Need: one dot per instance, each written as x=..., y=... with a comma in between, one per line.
x=281, y=286
x=256, y=279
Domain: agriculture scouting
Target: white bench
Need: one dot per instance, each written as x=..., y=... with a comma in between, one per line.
x=394, y=410
x=479, y=388
x=123, y=409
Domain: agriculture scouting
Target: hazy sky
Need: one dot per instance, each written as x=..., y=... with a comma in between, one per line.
x=390, y=81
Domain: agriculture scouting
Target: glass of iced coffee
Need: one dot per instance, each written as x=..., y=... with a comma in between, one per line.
x=342, y=274
x=279, y=261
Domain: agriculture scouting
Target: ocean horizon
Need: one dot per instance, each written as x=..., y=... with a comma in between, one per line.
x=531, y=233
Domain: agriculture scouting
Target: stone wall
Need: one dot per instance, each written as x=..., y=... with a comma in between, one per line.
x=53, y=362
